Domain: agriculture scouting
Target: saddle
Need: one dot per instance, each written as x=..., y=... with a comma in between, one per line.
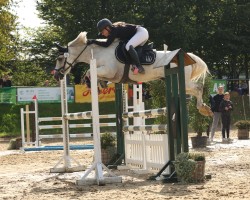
x=146, y=54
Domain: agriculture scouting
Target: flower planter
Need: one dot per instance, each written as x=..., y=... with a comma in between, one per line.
x=243, y=134
x=199, y=171
x=199, y=142
x=107, y=154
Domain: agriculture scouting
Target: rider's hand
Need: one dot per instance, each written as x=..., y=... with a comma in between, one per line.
x=90, y=41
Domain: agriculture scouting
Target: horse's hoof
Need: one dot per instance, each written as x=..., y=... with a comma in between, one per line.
x=141, y=71
x=206, y=111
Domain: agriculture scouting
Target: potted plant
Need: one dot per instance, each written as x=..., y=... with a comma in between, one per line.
x=198, y=122
x=243, y=129
x=190, y=167
x=199, y=172
x=108, y=147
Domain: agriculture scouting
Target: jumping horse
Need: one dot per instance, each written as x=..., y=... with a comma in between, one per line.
x=110, y=66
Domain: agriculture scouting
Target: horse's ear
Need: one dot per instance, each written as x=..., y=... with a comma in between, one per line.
x=61, y=48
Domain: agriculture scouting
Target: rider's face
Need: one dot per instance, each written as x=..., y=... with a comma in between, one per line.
x=105, y=32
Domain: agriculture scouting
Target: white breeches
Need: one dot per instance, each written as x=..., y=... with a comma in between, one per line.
x=140, y=38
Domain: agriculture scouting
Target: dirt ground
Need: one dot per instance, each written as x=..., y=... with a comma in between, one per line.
x=27, y=176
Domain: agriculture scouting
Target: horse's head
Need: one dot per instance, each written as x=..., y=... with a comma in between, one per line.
x=61, y=63
x=68, y=56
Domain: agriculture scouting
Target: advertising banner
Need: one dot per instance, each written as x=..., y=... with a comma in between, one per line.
x=43, y=94
x=215, y=84
x=8, y=95
x=83, y=94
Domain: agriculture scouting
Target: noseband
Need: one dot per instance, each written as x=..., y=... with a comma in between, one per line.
x=70, y=65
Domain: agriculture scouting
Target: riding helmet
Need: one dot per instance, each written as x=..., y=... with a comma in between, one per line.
x=103, y=23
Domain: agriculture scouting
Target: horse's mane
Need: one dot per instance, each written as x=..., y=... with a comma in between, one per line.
x=82, y=39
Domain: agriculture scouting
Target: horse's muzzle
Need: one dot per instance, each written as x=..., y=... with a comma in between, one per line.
x=58, y=76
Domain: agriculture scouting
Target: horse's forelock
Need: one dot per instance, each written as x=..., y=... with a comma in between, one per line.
x=80, y=40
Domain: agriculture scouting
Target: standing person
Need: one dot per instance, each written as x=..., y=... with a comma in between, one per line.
x=1, y=82
x=226, y=106
x=217, y=114
x=46, y=83
x=135, y=35
x=6, y=81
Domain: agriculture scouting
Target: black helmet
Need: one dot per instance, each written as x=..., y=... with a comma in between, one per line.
x=102, y=24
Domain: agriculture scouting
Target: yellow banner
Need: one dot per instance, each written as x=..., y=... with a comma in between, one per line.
x=83, y=93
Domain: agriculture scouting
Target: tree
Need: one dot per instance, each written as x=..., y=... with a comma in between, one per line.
x=28, y=74
x=7, y=39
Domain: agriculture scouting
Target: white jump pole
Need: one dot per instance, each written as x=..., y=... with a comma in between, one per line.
x=98, y=166
x=36, y=123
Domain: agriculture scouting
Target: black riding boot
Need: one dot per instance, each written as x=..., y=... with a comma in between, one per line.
x=133, y=54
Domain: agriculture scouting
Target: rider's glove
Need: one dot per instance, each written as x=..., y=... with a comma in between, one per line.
x=90, y=41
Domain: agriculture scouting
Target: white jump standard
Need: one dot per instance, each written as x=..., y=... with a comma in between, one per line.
x=97, y=166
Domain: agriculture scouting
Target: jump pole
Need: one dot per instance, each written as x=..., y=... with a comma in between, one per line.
x=98, y=166
x=66, y=158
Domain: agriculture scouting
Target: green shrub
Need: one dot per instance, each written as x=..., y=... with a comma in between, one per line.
x=197, y=156
x=242, y=124
x=9, y=122
x=107, y=140
x=184, y=167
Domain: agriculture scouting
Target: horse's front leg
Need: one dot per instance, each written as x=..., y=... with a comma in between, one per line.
x=195, y=89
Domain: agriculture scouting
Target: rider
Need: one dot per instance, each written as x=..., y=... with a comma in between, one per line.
x=135, y=35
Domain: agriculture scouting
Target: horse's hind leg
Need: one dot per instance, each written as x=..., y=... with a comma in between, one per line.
x=196, y=89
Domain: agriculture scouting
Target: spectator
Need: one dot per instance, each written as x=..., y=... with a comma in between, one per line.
x=244, y=88
x=217, y=114
x=226, y=106
x=6, y=81
x=1, y=82
x=146, y=94
x=46, y=83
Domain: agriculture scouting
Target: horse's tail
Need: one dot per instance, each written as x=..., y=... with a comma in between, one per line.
x=199, y=69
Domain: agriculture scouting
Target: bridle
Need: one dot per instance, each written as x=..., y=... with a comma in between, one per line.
x=62, y=69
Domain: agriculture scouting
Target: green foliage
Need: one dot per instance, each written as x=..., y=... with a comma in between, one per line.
x=7, y=40
x=197, y=156
x=107, y=140
x=158, y=93
x=242, y=124
x=9, y=123
x=28, y=74
x=241, y=108
x=184, y=167
x=198, y=122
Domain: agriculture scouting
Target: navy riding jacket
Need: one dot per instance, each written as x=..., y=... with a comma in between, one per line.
x=124, y=33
